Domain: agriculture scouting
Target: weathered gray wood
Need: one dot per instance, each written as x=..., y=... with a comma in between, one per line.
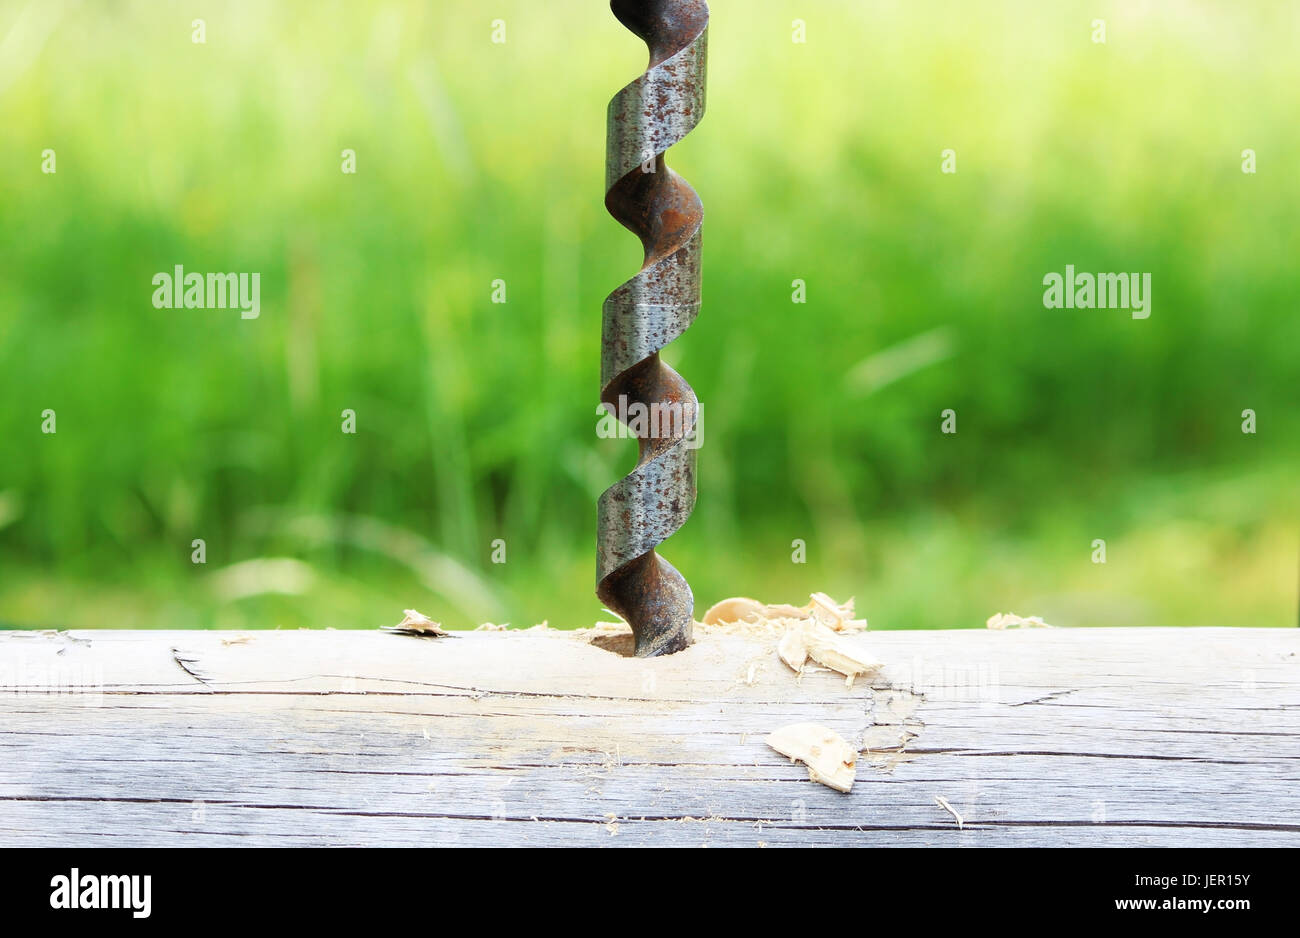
x=1083, y=737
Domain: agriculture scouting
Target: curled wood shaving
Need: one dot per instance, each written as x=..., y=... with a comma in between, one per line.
x=416, y=623
x=820, y=608
x=735, y=609
x=786, y=611
x=830, y=760
x=1009, y=620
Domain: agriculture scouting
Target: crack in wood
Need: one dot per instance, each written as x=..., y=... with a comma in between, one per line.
x=185, y=663
x=1046, y=697
x=765, y=822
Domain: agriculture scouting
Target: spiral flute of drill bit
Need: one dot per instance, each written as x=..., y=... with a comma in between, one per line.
x=656, y=306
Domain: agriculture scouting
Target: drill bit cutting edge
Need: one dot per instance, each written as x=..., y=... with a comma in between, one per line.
x=643, y=315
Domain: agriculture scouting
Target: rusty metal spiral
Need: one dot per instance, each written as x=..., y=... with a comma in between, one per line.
x=656, y=306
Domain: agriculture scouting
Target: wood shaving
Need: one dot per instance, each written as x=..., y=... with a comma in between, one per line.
x=801, y=632
x=735, y=609
x=743, y=611
x=786, y=611
x=806, y=639
x=493, y=627
x=830, y=760
x=792, y=649
x=237, y=640
x=828, y=612
x=942, y=802
x=416, y=623
x=1009, y=620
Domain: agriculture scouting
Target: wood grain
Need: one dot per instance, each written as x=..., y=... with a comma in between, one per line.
x=1035, y=737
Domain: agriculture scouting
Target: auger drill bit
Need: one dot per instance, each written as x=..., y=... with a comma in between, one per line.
x=644, y=508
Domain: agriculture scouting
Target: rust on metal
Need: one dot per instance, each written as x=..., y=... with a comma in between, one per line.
x=643, y=315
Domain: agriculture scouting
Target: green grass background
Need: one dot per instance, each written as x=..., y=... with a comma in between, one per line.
x=478, y=161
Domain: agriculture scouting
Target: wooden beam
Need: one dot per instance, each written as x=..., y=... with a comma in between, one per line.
x=1034, y=737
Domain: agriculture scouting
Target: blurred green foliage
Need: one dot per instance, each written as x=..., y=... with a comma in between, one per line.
x=478, y=161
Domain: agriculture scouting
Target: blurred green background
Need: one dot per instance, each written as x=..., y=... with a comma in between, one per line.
x=479, y=161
